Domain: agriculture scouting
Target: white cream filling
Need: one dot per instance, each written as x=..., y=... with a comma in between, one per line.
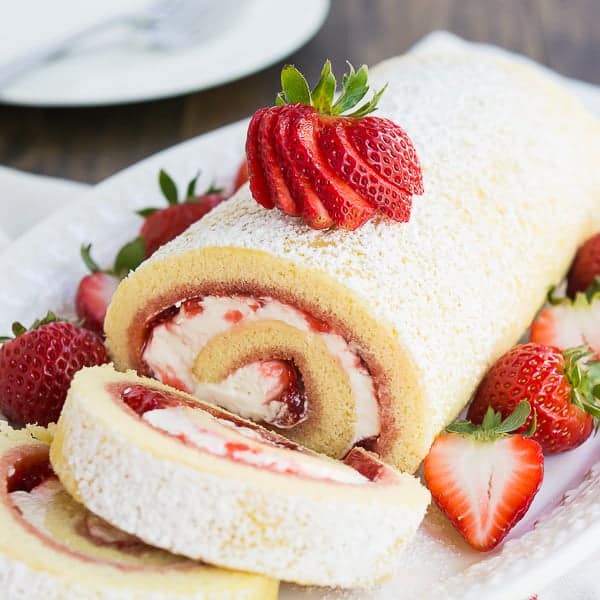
x=250, y=391
x=34, y=504
x=226, y=439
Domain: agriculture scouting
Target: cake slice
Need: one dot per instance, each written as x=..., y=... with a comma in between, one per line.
x=52, y=547
x=199, y=481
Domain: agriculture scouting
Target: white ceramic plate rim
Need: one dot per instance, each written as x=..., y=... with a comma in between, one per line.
x=181, y=72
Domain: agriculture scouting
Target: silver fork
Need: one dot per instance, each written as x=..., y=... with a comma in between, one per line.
x=164, y=25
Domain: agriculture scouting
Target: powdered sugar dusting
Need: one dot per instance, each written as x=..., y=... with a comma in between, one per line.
x=511, y=188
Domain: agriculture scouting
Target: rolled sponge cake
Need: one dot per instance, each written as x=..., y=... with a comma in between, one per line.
x=52, y=547
x=512, y=187
x=198, y=481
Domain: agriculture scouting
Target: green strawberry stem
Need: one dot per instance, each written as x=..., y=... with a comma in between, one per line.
x=584, y=376
x=129, y=257
x=86, y=256
x=295, y=90
x=493, y=426
x=171, y=194
x=19, y=329
x=168, y=187
x=586, y=297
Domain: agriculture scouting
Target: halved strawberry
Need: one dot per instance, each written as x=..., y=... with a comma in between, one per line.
x=258, y=182
x=568, y=323
x=95, y=290
x=483, y=479
x=93, y=296
x=343, y=159
x=316, y=183
x=313, y=211
x=280, y=194
x=585, y=268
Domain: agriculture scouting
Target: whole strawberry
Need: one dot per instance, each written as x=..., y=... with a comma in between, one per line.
x=161, y=225
x=483, y=479
x=324, y=160
x=560, y=386
x=585, y=267
x=37, y=365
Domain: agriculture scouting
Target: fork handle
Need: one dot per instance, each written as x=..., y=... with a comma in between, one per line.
x=18, y=67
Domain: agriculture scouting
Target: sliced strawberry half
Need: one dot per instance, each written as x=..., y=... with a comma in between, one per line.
x=387, y=149
x=93, y=296
x=483, y=479
x=280, y=193
x=313, y=211
x=258, y=184
x=343, y=159
x=347, y=208
x=95, y=290
x=569, y=323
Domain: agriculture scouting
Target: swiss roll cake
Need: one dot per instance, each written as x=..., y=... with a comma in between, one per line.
x=198, y=481
x=52, y=547
x=378, y=337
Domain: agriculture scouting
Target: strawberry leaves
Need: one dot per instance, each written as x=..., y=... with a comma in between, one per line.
x=493, y=426
x=295, y=90
x=294, y=87
x=325, y=90
x=584, y=376
x=129, y=258
x=168, y=187
x=171, y=193
x=18, y=328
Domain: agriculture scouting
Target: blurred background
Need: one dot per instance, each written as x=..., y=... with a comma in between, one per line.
x=86, y=142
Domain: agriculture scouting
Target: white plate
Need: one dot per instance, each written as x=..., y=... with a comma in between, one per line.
x=267, y=31
x=41, y=270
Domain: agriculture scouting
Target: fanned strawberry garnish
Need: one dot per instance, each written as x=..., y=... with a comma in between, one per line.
x=347, y=208
x=344, y=159
x=279, y=193
x=258, y=183
x=388, y=150
x=325, y=160
x=298, y=182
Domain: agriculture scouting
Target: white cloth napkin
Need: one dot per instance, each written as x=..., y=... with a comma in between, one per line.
x=30, y=198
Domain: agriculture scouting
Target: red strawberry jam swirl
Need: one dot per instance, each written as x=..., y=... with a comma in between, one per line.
x=142, y=399
x=243, y=442
x=271, y=391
